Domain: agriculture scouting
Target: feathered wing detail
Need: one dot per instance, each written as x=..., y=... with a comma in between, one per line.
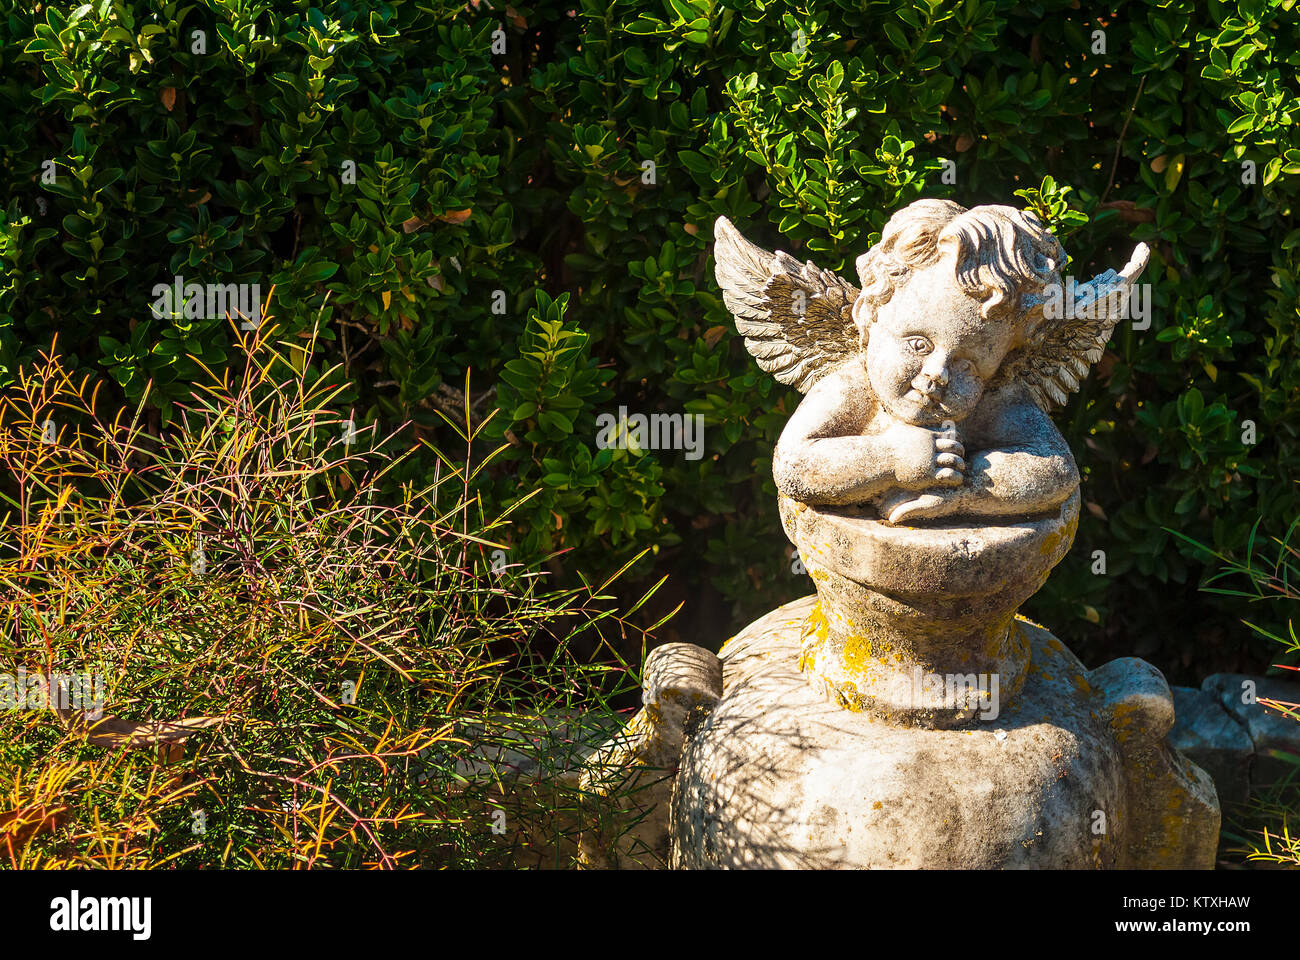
x=1068, y=340
x=797, y=319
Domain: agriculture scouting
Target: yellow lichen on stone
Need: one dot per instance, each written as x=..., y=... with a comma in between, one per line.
x=1121, y=721
x=856, y=654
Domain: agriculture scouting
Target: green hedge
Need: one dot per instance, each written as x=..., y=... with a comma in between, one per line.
x=446, y=206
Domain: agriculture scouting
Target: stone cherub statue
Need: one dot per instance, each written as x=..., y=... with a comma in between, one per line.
x=928, y=389
x=907, y=715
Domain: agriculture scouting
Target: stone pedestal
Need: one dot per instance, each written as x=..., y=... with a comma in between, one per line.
x=906, y=716
x=1073, y=773
x=902, y=611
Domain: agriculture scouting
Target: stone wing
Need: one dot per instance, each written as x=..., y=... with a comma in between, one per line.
x=797, y=319
x=1069, y=337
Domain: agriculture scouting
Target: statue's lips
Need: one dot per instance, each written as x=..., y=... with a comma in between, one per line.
x=928, y=401
x=926, y=410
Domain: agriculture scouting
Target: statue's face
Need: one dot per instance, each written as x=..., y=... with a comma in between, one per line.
x=930, y=353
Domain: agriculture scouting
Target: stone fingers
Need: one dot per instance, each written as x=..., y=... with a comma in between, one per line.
x=949, y=445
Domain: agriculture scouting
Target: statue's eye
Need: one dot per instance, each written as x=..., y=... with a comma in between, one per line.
x=919, y=345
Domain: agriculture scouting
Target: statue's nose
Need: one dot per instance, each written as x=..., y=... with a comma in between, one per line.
x=935, y=375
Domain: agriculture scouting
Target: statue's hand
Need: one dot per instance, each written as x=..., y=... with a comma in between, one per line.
x=925, y=458
x=902, y=506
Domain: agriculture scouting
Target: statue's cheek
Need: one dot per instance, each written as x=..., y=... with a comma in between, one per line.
x=907, y=368
x=886, y=373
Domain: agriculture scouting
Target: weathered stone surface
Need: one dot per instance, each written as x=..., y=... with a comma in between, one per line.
x=1214, y=740
x=777, y=776
x=938, y=598
x=1171, y=812
x=1269, y=730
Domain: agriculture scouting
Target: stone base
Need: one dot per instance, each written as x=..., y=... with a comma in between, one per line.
x=1074, y=773
x=938, y=601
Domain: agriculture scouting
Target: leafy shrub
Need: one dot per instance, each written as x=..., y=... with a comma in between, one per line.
x=294, y=673
x=589, y=160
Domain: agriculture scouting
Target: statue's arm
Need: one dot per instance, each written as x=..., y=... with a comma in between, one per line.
x=1024, y=466
x=1020, y=464
x=822, y=458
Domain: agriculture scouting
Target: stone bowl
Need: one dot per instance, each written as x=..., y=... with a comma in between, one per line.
x=935, y=600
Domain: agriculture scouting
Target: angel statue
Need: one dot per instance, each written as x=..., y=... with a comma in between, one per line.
x=906, y=715
x=928, y=390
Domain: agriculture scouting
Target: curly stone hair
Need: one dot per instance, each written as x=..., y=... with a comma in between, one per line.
x=1001, y=254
